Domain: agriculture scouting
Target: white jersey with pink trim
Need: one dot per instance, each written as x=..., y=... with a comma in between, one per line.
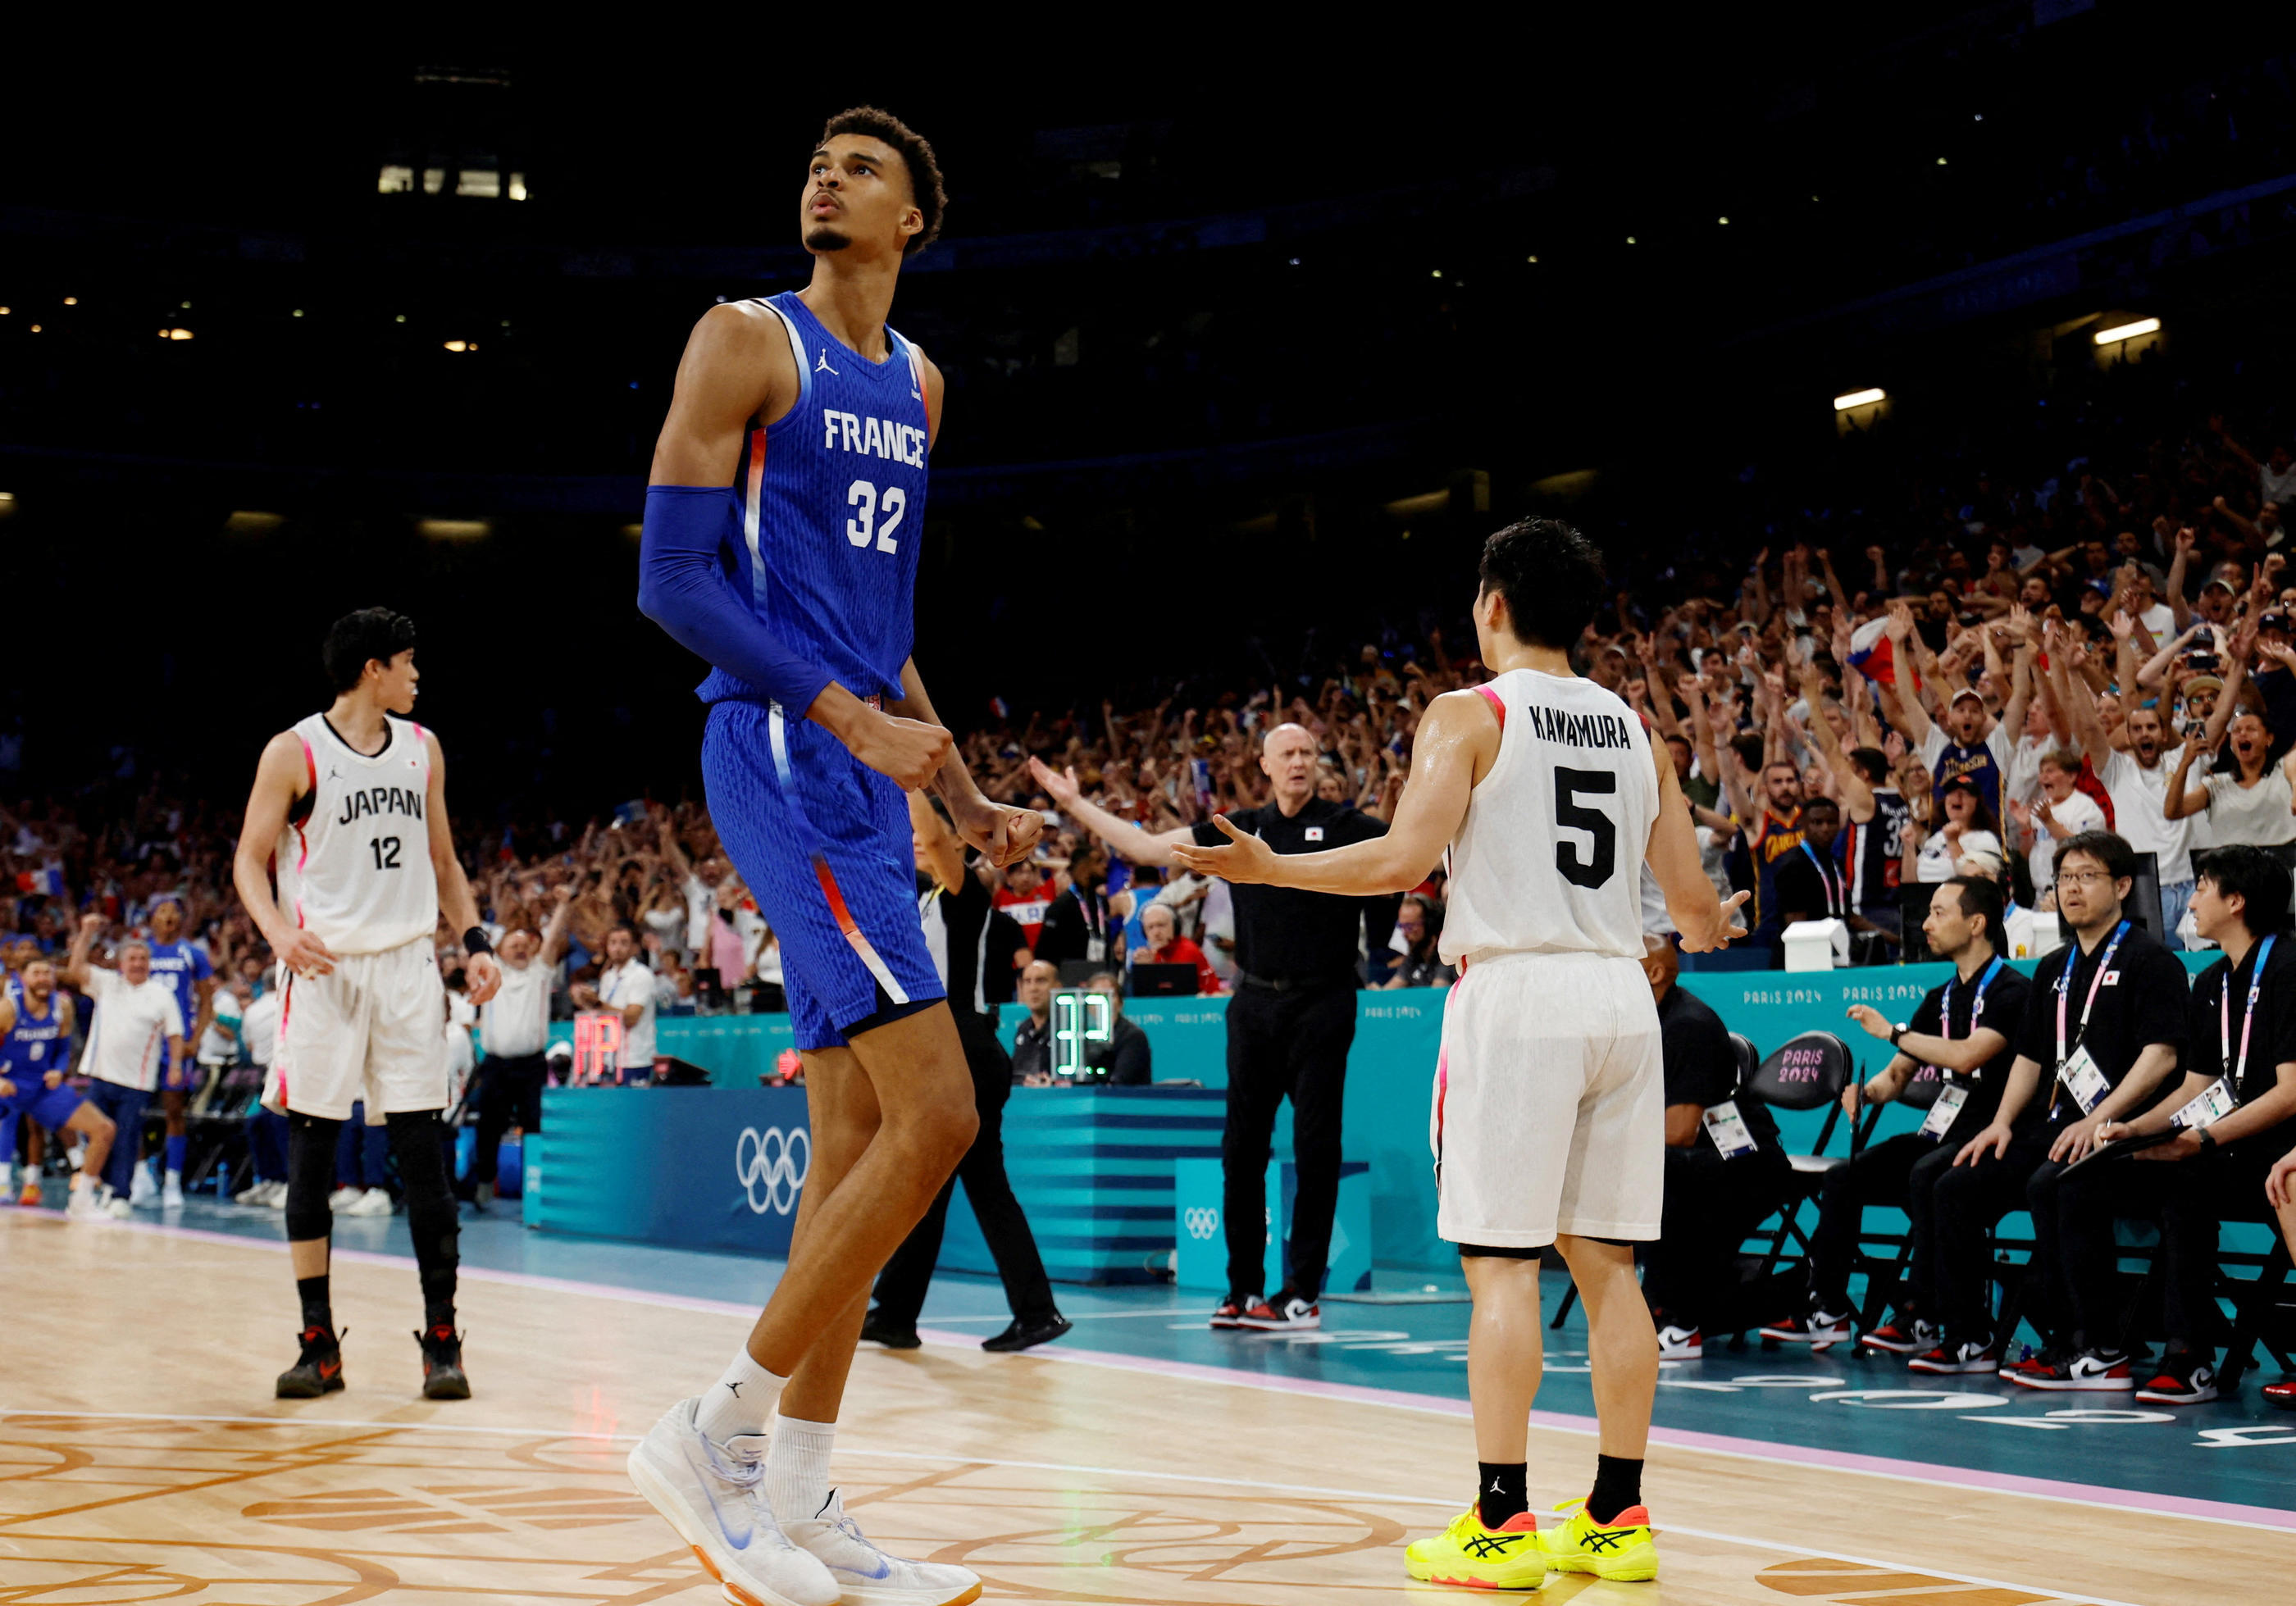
x=1549, y=859
x=354, y=864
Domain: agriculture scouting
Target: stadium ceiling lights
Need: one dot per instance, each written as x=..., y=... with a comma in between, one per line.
x=2127, y=332
x=453, y=529
x=175, y=335
x=1859, y=398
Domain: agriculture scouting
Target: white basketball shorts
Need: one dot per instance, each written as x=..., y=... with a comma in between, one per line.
x=374, y=1030
x=1550, y=1102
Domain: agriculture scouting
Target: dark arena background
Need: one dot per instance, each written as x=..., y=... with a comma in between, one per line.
x=1856, y=340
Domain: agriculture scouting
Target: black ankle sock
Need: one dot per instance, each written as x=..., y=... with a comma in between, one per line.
x=1618, y=1485
x=1503, y=1495
x=313, y=1292
x=437, y=1313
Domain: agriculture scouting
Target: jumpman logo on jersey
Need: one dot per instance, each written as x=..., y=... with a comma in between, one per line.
x=821, y=362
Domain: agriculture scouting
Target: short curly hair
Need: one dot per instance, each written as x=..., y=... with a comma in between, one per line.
x=917, y=155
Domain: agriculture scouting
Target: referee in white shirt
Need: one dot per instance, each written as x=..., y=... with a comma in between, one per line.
x=625, y=987
x=514, y=1031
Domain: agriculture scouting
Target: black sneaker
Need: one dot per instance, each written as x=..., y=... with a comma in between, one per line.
x=319, y=1371
x=1904, y=1337
x=1231, y=1310
x=2180, y=1379
x=1956, y=1357
x=876, y=1330
x=2092, y=1368
x=1026, y=1335
x=442, y=1363
x=1284, y=1311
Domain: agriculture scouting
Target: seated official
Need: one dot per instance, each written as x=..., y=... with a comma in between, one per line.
x=1165, y=946
x=1124, y=1059
x=1967, y=1029
x=2106, y=1023
x=1725, y=1169
x=1419, y=924
x=2243, y=1054
x=1032, y=1041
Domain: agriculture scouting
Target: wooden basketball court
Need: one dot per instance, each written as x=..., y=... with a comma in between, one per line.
x=142, y=1458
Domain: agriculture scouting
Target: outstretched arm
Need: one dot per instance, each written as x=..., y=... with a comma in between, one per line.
x=1131, y=843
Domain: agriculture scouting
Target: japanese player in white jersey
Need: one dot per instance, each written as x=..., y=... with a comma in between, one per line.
x=1548, y=1121
x=350, y=812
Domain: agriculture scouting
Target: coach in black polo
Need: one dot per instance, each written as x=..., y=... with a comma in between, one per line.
x=1289, y=1026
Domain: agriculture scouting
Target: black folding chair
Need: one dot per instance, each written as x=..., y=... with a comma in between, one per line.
x=2257, y=1302
x=1920, y=1092
x=1806, y=1072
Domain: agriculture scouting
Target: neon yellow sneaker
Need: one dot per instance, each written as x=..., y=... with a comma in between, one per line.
x=1505, y=1557
x=1623, y=1549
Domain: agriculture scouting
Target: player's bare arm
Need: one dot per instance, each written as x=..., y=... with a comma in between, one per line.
x=1705, y=920
x=738, y=367
x=280, y=781
x=1126, y=839
x=483, y=970
x=1001, y=831
x=1458, y=741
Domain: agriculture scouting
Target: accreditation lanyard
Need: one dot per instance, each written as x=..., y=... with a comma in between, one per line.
x=1977, y=1009
x=2095, y=980
x=2227, y=1067
x=1827, y=877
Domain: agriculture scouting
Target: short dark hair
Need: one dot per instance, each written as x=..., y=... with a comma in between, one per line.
x=1821, y=801
x=2107, y=847
x=1551, y=577
x=1747, y=746
x=1871, y=763
x=916, y=154
x=358, y=639
x=1980, y=894
x=2252, y=873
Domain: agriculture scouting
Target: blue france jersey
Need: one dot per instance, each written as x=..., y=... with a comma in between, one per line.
x=833, y=505
x=182, y=967
x=33, y=1046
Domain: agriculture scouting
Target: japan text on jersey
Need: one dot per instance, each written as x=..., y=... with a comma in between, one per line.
x=831, y=501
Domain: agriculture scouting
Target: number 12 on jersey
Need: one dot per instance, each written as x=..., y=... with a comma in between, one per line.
x=863, y=526
x=385, y=850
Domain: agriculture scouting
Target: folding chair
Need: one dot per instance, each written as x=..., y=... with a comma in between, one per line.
x=1920, y=1092
x=1805, y=1073
x=2255, y=1301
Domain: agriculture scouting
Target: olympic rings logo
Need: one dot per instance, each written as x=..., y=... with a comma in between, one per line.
x=1201, y=1221
x=772, y=1168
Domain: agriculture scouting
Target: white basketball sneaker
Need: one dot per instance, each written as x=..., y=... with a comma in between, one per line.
x=714, y=1495
x=85, y=1204
x=374, y=1202
x=867, y=1575
x=171, y=1191
x=142, y=1188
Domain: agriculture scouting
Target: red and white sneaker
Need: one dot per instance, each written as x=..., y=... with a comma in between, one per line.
x=2107, y=1369
x=1903, y=1338
x=2282, y=1394
x=1813, y=1326
x=1284, y=1311
x=1681, y=1344
x=1968, y=1355
x=1231, y=1310
x=2180, y=1379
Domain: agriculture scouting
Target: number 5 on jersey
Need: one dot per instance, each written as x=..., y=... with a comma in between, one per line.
x=864, y=525
x=1603, y=859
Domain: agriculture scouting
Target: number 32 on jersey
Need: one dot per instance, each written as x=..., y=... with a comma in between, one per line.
x=863, y=527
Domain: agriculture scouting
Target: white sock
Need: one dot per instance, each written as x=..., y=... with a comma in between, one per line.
x=740, y=1402
x=797, y=1468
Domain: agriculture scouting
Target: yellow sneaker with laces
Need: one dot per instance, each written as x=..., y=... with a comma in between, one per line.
x=1466, y=1552
x=1623, y=1549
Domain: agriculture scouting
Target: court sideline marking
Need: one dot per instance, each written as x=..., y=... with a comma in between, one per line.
x=2097, y=1496
x=868, y=1453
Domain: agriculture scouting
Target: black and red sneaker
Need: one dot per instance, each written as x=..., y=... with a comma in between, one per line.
x=2180, y=1379
x=442, y=1363
x=1965, y=1355
x=2106, y=1370
x=1231, y=1310
x=1904, y=1337
x=1284, y=1311
x=318, y=1371
x=2282, y=1394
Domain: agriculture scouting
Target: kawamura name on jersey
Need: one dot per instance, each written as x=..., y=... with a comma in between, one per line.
x=379, y=800
x=1577, y=730
x=873, y=437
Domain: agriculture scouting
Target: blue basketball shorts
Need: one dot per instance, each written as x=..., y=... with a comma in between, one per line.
x=51, y=1106
x=823, y=842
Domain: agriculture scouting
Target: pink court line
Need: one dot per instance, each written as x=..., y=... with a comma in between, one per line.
x=1717, y=1444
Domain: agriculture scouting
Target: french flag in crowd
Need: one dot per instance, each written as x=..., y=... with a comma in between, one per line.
x=1874, y=655
x=50, y=881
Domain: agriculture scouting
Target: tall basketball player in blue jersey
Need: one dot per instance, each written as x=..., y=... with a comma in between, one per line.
x=794, y=453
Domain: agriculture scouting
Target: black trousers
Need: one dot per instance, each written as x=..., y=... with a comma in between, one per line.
x=1690, y=1273
x=901, y=1285
x=1968, y=1200
x=2190, y=1198
x=1901, y=1171
x=1291, y=1043
x=511, y=1094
